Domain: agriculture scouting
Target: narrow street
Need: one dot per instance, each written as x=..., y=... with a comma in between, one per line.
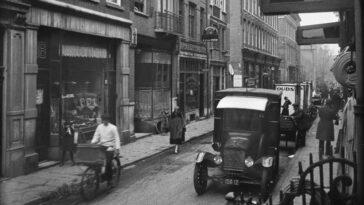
x=166, y=179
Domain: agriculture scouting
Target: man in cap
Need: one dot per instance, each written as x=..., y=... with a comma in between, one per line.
x=107, y=135
x=298, y=116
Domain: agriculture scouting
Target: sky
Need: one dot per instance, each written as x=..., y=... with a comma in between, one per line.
x=319, y=18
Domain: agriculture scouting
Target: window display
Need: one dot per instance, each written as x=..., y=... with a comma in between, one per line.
x=83, y=92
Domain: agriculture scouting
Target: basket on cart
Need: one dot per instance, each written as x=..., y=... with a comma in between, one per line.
x=90, y=154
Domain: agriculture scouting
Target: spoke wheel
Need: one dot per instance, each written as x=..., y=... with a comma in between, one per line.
x=89, y=183
x=200, y=178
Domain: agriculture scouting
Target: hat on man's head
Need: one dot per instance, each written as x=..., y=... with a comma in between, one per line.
x=105, y=117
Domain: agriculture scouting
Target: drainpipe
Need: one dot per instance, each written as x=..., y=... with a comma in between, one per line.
x=359, y=108
x=208, y=71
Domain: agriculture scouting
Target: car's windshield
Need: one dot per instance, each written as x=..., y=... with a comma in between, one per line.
x=241, y=119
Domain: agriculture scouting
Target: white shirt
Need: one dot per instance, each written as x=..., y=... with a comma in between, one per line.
x=107, y=135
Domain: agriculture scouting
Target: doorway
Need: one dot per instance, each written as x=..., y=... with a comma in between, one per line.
x=43, y=107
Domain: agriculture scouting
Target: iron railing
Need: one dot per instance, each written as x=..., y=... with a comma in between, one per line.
x=168, y=22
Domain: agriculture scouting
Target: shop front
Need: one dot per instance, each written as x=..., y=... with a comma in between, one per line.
x=76, y=84
x=193, y=79
x=261, y=68
x=153, y=70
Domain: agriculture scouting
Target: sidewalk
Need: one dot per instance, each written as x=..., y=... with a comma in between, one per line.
x=302, y=155
x=36, y=187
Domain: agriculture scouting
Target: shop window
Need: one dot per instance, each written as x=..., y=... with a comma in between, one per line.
x=84, y=92
x=140, y=6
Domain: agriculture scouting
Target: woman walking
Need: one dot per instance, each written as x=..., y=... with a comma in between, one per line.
x=325, y=128
x=177, y=129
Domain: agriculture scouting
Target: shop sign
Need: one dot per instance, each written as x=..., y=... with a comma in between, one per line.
x=83, y=51
x=194, y=55
x=319, y=34
x=210, y=33
x=190, y=47
x=238, y=81
x=280, y=7
x=39, y=97
x=250, y=82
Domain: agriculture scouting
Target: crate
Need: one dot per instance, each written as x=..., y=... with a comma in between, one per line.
x=91, y=154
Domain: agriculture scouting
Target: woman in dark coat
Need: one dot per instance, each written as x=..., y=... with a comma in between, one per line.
x=325, y=128
x=177, y=129
x=68, y=141
x=285, y=106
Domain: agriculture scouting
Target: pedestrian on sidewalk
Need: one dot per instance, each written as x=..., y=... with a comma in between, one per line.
x=298, y=117
x=285, y=106
x=325, y=128
x=107, y=135
x=177, y=129
x=68, y=141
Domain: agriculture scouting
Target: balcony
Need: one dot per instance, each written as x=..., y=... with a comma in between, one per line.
x=168, y=23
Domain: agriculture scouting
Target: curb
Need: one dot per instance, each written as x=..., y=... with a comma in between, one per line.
x=45, y=199
x=163, y=151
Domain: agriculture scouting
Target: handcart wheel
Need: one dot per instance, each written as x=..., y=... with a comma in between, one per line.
x=89, y=183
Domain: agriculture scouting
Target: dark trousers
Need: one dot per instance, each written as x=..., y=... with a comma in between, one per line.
x=108, y=168
x=64, y=155
x=322, y=147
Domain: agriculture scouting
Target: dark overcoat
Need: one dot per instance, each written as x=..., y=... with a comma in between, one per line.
x=325, y=127
x=176, y=128
x=68, y=142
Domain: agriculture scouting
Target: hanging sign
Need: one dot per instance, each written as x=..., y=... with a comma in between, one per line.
x=319, y=34
x=210, y=33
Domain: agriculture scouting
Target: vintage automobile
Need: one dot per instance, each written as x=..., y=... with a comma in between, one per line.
x=246, y=137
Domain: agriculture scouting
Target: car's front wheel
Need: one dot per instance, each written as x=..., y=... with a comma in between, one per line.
x=200, y=178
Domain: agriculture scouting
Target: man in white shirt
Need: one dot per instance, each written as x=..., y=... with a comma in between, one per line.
x=107, y=135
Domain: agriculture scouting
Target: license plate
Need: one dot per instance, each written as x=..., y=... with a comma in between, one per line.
x=231, y=181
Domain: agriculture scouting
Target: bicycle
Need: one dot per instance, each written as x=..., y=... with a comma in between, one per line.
x=94, y=157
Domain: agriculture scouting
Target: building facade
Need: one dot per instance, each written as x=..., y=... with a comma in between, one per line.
x=171, y=61
x=61, y=61
x=253, y=46
x=289, y=51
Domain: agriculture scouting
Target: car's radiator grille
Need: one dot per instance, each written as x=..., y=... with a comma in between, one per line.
x=234, y=160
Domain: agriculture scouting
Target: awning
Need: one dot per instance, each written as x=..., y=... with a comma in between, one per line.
x=243, y=102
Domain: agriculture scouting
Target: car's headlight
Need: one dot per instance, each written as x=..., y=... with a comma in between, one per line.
x=218, y=159
x=249, y=161
x=267, y=161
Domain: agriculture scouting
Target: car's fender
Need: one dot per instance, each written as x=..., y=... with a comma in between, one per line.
x=206, y=158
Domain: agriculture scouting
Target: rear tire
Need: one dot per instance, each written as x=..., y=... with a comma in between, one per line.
x=89, y=183
x=200, y=178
